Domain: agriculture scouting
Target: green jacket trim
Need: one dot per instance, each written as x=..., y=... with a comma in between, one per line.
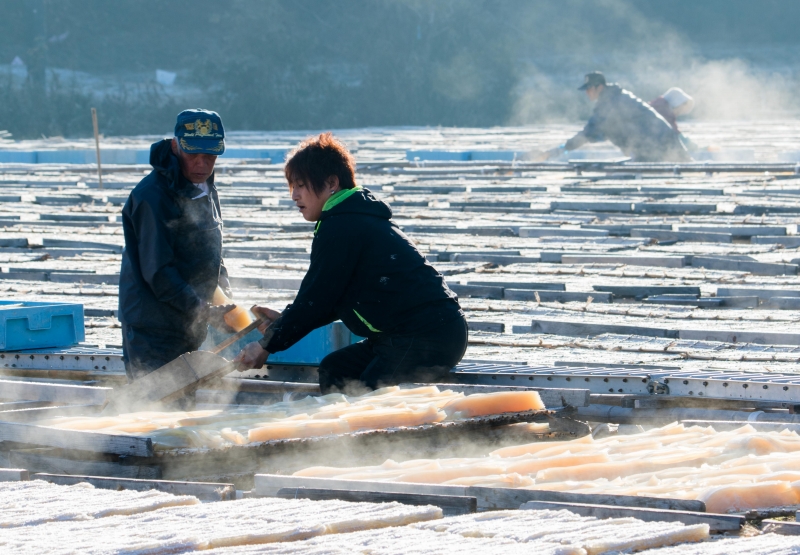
x=335, y=199
x=369, y=326
x=339, y=197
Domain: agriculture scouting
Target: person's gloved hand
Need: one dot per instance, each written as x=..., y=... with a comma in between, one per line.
x=270, y=314
x=252, y=356
x=215, y=315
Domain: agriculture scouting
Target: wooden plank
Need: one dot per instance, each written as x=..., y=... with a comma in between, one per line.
x=674, y=207
x=592, y=206
x=49, y=461
x=781, y=527
x=696, y=236
x=716, y=522
x=476, y=291
x=665, y=261
x=13, y=475
x=75, y=439
x=705, y=302
x=511, y=498
x=24, y=276
x=538, y=286
x=40, y=413
x=494, y=327
x=789, y=241
x=782, y=303
x=268, y=485
x=763, y=294
x=740, y=230
x=205, y=491
x=740, y=302
x=647, y=290
x=499, y=259
x=756, y=268
x=561, y=232
x=451, y=505
x=580, y=329
x=742, y=336
x=556, y=296
x=625, y=229
x=16, y=405
x=60, y=393
x=110, y=279
x=68, y=243
x=473, y=230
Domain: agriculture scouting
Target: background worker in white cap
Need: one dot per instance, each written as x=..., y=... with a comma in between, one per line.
x=672, y=104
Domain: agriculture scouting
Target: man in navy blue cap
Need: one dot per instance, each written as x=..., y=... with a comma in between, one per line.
x=626, y=121
x=172, y=262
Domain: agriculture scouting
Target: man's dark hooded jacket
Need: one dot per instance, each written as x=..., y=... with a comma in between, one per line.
x=172, y=261
x=367, y=273
x=632, y=125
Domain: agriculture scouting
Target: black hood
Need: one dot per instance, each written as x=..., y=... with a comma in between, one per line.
x=359, y=201
x=166, y=163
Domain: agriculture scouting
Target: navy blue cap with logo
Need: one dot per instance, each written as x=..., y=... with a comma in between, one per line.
x=200, y=132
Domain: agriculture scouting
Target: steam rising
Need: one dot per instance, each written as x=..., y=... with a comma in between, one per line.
x=647, y=58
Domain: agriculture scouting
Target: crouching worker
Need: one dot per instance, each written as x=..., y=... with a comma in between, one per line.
x=367, y=273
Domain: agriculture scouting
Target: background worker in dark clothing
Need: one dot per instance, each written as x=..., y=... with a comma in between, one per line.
x=628, y=122
x=367, y=273
x=172, y=261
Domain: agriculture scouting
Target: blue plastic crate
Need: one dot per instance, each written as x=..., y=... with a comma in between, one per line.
x=31, y=325
x=309, y=350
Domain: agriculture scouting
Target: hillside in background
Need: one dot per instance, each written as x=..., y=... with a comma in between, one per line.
x=313, y=64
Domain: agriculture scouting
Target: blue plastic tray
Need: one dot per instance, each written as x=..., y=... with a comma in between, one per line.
x=309, y=350
x=31, y=325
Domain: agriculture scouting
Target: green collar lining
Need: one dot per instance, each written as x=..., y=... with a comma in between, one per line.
x=339, y=197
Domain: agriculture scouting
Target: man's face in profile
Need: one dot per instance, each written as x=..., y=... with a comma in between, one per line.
x=197, y=168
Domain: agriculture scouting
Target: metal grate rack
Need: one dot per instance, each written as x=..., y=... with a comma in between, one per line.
x=72, y=358
x=611, y=379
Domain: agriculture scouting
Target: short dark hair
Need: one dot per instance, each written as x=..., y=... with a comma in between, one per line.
x=316, y=159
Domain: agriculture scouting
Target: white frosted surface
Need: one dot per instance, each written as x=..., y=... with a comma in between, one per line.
x=400, y=541
x=37, y=501
x=566, y=528
x=768, y=544
x=224, y=523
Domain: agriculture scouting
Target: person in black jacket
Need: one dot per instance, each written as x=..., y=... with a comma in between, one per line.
x=172, y=261
x=628, y=122
x=366, y=272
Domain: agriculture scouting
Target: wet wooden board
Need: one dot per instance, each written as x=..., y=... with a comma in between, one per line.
x=268, y=485
x=74, y=439
x=716, y=522
x=451, y=505
x=64, y=394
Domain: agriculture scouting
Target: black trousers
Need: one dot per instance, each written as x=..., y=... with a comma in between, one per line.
x=146, y=349
x=390, y=360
